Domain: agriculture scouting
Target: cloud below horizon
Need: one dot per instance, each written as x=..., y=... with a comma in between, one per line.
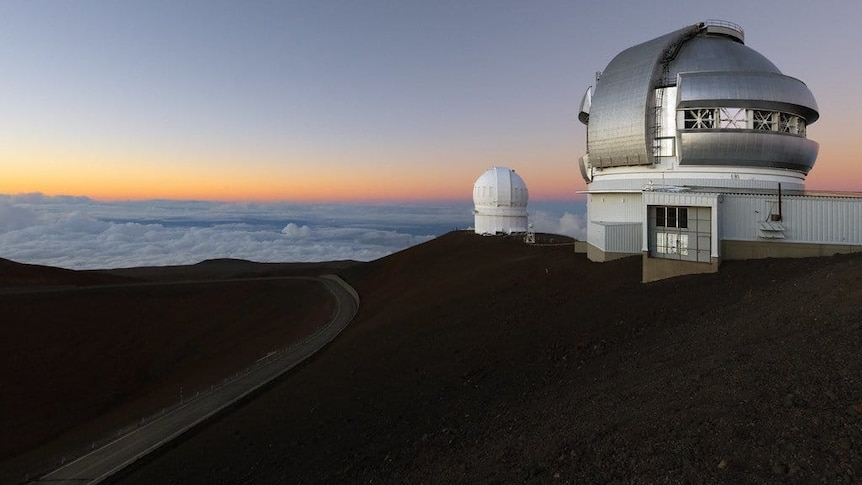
x=80, y=233
x=569, y=224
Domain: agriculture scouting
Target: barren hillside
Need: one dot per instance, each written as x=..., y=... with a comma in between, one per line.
x=83, y=355
x=484, y=360
x=13, y=275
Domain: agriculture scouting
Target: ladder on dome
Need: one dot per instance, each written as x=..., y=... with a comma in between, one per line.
x=662, y=82
x=657, y=112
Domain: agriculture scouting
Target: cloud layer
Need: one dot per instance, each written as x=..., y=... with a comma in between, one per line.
x=568, y=224
x=80, y=233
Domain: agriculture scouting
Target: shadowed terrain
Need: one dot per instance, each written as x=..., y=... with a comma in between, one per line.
x=478, y=359
x=85, y=354
x=484, y=360
x=13, y=275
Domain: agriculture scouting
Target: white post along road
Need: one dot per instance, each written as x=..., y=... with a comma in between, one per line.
x=104, y=462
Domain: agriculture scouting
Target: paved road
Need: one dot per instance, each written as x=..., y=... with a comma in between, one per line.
x=113, y=457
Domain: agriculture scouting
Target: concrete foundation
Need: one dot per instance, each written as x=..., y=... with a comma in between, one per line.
x=581, y=247
x=655, y=269
x=596, y=255
x=731, y=250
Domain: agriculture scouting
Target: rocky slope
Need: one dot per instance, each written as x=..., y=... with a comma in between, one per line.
x=484, y=360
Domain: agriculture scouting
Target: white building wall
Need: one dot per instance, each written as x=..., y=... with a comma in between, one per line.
x=810, y=219
x=615, y=207
x=596, y=235
x=805, y=219
x=615, y=221
x=623, y=237
x=500, y=224
x=741, y=214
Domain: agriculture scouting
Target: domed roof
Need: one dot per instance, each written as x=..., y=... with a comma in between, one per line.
x=718, y=53
x=705, y=67
x=500, y=187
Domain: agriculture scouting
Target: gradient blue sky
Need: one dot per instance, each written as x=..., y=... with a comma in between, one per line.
x=338, y=100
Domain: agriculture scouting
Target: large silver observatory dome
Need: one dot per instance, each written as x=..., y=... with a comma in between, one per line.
x=697, y=97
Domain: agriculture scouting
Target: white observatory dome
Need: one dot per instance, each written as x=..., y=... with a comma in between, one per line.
x=500, y=202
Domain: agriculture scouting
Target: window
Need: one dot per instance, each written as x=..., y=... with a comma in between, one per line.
x=736, y=119
x=681, y=233
x=787, y=123
x=671, y=217
x=763, y=120
x=671, y=243
x=732, y=118
x=699, y=119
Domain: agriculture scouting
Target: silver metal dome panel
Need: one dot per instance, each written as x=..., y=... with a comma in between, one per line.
x=586, y=101
x=621, y=105
x=748, y=149
x=630, y=116
x=763, y=90
x=716, y=53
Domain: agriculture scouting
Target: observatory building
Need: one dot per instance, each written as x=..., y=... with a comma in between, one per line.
x=697, y=151
x=500, y=202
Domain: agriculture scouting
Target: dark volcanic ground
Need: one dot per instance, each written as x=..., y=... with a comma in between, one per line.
x=483, y=360
x=81, y=357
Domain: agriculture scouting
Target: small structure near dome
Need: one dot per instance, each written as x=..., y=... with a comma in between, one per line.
x=500, y=202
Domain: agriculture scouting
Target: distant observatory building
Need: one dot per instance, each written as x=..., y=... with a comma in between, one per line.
x=697, y=151
x=500, y=202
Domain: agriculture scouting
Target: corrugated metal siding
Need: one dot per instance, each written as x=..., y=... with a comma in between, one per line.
x=806, y=219
x=615, y=237
x=827, y=220
x=739, y=215
x=623, y=238
x=680, y=199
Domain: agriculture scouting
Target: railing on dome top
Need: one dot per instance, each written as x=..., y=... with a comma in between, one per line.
x=725, y=23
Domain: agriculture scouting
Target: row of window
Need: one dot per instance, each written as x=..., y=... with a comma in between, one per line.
x=743, y=119
x=671, y=217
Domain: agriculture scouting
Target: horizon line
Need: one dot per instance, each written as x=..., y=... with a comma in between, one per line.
x=574, y=197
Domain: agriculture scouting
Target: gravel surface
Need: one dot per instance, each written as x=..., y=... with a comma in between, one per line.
x=477, y=359
x=483, y=360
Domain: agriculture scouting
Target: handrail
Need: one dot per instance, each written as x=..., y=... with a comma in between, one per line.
x=726, y=24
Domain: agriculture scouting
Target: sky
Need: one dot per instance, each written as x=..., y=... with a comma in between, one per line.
x=357, y=101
